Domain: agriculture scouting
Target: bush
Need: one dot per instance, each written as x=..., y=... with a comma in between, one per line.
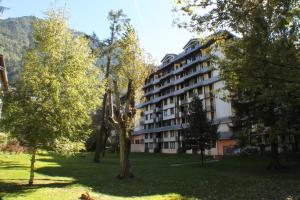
x=13, y=146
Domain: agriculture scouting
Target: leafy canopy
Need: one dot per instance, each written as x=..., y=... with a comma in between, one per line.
x=58, y=89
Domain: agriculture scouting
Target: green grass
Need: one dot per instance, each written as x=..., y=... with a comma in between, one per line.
x=67, y=178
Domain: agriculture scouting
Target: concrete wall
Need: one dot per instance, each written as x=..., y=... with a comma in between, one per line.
x=137, y=147
x=140, y=147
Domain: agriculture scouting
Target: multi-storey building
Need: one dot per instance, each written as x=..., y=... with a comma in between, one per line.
x=169, y=90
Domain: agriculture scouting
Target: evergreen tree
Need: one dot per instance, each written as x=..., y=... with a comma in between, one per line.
x=201, y=132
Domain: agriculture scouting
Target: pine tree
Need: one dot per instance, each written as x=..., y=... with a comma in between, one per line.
x=201, y=133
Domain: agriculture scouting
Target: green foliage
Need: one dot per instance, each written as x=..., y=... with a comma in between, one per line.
x=50, y=107
x=201, y=133
x=262, y=67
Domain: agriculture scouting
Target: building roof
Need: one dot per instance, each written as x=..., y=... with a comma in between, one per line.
x=190, y=42
x=168, y=56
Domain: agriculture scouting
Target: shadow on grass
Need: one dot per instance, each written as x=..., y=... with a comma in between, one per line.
x=6, y=165
x=232, y=178
x=17, y=190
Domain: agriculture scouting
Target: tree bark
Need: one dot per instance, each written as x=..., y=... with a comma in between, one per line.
x=202, y=157
x=125, y=167
x=105, y=142
x=99, y=138
x=31, y=177
x=275, y=162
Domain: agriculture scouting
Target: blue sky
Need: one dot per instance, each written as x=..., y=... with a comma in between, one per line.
x=152, y=19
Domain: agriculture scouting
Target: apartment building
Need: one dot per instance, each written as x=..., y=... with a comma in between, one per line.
x=167, y=94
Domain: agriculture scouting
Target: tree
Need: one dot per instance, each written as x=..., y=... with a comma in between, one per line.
x=201, y=133
x=130, y=75
x=262, y=67
x=50, y=106
x=117, y=20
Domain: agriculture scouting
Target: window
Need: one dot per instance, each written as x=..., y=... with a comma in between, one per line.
x=165, y=102
x=200, y=90
x=166, y=145
x=165, y=134
x=171, y=100
x=137, y=142
x=172, y=134
x=146, y=136
x=165, y=112
x=172, y=145
x=151, y=136
x=151, y=145
x=172, y=111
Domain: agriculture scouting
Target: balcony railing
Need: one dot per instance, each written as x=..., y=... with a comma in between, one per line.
x=155, y=81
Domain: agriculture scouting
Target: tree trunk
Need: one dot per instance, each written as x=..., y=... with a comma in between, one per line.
x=31, y=178
x=202, y=157
x=104, y=142
x=275, y=163
x=99, y=142
x=125, y=167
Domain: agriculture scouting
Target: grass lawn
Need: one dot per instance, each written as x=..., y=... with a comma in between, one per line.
x=156, y=177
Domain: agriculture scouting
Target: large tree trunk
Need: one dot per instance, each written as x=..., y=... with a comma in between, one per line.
x=100, y=133
x=125, y=167
x=275, y=163
x=105, y=142
x=31, y=178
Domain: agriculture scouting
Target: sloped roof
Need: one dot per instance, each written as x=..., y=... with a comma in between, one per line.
x=167, y=56
x=191, y=41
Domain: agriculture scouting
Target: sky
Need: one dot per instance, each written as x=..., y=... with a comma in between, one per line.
x=153, y=20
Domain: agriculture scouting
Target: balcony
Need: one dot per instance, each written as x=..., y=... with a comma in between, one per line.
x=158, y=109
x=180, y=91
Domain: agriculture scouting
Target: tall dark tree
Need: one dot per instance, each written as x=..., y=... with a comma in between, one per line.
x=117, y=21
x=262, y=67
x=201, y=132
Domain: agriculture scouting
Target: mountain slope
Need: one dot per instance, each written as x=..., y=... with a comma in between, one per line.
x=15, y=38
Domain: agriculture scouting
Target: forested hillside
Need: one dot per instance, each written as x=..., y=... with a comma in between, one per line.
x=15, y=37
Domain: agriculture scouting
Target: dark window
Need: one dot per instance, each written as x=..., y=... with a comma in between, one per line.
x=171, y=100
x=172, y=111
x=166, y=145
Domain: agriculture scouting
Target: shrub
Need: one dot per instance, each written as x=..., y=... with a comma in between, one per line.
x=13, y=146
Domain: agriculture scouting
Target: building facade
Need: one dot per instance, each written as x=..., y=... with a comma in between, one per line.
x=167, y=94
